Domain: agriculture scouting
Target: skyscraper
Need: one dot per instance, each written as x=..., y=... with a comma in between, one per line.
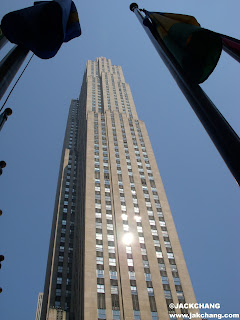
x=114, y=251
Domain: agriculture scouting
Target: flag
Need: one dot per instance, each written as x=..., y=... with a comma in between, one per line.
x=43, y=27
x=197, y=50
x=73, y=29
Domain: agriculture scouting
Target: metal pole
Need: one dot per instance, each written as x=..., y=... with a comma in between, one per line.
x=233, y=53
x=3, y=39
x=10, y=65
x=223, y=136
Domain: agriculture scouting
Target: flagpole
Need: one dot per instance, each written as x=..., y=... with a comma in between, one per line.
x=234, y=54
x=223, y=136
x=10, y=65
x=3, y=39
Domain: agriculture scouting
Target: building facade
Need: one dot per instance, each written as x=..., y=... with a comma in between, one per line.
x=114, y=251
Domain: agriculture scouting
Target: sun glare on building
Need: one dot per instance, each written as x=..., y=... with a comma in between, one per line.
x=128, y=238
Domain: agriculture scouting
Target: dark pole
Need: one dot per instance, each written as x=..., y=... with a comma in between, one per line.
x=231, y=53
x=228, y=49
x=3, y=39
x=223, y=136
x=10, y=65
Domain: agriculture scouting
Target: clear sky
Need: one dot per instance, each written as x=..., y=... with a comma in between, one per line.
x=202, y=193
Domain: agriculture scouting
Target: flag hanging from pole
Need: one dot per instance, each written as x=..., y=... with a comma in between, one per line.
x=197, y=50
x=43, y=27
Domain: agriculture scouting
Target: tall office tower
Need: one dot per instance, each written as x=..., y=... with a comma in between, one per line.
x=114, y=251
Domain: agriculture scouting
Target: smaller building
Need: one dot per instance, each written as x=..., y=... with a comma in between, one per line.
x=39, y=306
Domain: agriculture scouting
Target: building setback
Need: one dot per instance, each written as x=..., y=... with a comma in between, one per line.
x=114, y=251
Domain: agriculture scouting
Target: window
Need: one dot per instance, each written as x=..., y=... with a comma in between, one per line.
x=99, y=260
x=167, y=294
x=111, y=249
x=145, y=264
x=177, y=281
x=101, y=313
x=100, y=273
x=152, y=222
x=130, y=262
x=58, y=292
x=162, y=267
x=154, y=316
x=60, y=269
x=137, y=315
x=116, y=314
x=133, y=290
x=98, y=214
x=59, y=280
x=128, y=249
x=150, y=291
x=131, y=275
x=180, y=295
x=99, y=247
x=114, y=290
x=110, y=237
x=148, y=277
x=164, y=280
x=159, y=254
x=112, y=262
x=170, y=256
x=173, y=267
x=100, y=288
x=141, y=240
x=154, y=232
x=167, y=244
x=98, y=236
x=99, y=225
x=113, y=275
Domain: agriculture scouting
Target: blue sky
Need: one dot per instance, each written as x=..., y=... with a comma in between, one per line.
x=202, y=193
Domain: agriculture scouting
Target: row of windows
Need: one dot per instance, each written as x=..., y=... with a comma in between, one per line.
x=111, y=241
x=164, y=230
x=73, y=128
x=130, y=263
x=99, y=243
x=139, y=225
x=153, y=229
x=65, y=249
